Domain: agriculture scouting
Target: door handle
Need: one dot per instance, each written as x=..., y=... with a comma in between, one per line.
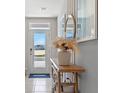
x=30, y=51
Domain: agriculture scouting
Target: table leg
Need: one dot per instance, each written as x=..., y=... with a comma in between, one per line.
x=76, y=82
x=52, y=72
x=59, y=83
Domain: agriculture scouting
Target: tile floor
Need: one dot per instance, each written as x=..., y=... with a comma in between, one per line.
x=38, y=85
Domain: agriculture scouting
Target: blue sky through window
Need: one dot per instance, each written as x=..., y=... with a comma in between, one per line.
x=69, y=34
x=39, y=38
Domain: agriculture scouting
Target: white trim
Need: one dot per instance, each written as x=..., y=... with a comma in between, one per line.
x=39, y=28
x=85, y=40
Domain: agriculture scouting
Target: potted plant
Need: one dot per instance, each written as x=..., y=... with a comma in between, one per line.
x=65, y=46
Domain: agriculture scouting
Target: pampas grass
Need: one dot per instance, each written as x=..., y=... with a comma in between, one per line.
x=65, y=44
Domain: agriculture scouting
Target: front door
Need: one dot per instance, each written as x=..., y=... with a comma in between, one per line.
x=40, y=33
x=39, y=49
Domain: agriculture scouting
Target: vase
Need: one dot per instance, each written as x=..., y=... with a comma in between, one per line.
x=64, y=57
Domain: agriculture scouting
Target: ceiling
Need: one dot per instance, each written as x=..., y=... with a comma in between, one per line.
x=43, y=8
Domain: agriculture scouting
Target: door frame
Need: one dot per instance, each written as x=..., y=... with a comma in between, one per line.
x=53, y=33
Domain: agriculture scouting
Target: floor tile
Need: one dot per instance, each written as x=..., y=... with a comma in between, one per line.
x=38, y=85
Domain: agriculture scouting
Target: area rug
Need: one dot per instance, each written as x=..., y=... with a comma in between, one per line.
x=39, y=76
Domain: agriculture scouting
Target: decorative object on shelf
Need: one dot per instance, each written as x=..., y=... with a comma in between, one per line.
x=65, y=46
x=64, y=57
x=71, y=19
x=68, y=80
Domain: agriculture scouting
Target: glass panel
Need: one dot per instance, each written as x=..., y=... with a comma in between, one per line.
x=69, y=34
x=39, y=49
x=70, y=29
x=86, y=26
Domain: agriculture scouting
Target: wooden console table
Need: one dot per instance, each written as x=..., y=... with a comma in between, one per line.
x=58, y=71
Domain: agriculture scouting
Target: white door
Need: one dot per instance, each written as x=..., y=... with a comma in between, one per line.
x=39, y=50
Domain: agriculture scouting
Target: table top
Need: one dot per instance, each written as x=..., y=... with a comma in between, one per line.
x=68, y=68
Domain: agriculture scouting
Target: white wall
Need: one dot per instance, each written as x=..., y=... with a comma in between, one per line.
x=88, y=58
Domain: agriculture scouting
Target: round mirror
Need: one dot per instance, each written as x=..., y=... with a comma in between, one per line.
x=70, y=27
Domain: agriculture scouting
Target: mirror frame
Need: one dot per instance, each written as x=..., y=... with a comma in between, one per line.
x=74, y=22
